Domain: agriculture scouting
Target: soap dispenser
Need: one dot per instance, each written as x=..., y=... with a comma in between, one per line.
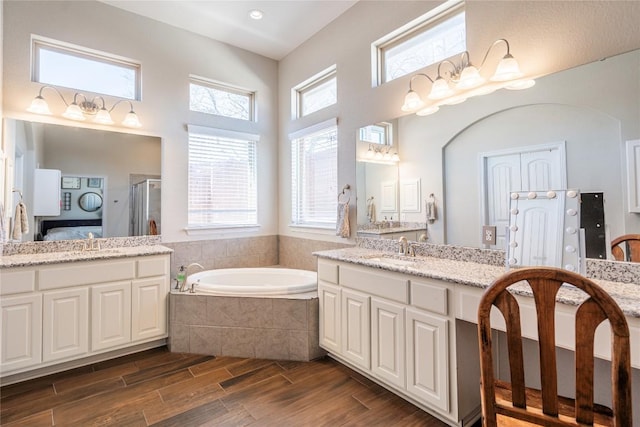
x=181, y=276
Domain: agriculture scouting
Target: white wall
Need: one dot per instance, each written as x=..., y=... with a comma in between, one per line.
x=168, y=55
x=545, y=37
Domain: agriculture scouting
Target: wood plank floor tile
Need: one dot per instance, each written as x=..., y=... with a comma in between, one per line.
x=215, y=363
x=165, y=368
x=156, y=387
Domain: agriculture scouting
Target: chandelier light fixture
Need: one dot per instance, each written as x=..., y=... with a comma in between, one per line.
x=463, y=80
x=82, y=107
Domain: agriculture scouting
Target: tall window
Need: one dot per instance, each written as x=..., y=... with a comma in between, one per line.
x=221, y=100
x=61, y=64
x=439, y=34
x=314, y=180
x=317, y=93
x=222, y=178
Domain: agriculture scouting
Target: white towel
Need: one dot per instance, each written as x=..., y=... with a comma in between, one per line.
x=20, y=222
x=342, y=224
x=432, y=214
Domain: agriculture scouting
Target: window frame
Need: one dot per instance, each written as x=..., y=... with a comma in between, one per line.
x=298, y=92
x=407, y=32
x=215, y=133
x=39, y=43
x=225, y=87
x=296, y=186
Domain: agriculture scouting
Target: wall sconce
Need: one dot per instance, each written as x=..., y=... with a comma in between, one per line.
x=381, y=154
x=82, y=107
x=464, y=81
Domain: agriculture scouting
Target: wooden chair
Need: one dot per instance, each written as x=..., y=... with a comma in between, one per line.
x=631, y=244
x=512, y=404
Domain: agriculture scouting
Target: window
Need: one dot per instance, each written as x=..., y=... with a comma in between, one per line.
x=61, y=64
x=222, y=178
x=435, y=36
x=380, y=133
x=314, y=180
x=316, y=93
x=221, y=100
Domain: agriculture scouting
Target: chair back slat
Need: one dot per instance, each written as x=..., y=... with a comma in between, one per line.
x=599, y=306
x=631, y=244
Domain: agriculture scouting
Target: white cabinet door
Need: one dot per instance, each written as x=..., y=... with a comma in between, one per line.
x=356, y=329
x=149, y=308
x=428, y=358
x=387, y=341
x=66, y=323
x=111, y=315
x=21, y=329
x=329, y=302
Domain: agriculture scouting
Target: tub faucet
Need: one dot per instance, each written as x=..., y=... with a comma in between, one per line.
x=186, y=275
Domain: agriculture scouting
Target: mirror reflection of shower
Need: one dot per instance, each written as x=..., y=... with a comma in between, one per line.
x=145, y=207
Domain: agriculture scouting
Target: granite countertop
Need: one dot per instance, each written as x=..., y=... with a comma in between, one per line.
x=28, y=260
x=627, y=295
x=388, y=230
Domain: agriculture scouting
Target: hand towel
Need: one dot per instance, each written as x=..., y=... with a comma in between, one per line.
x=432, y=214
x=20, y=222
x=153, y=228
x=342, y=224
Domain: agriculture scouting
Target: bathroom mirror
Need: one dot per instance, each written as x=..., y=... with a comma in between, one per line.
x=109, y=164
x=90, y=202
x=592, y=109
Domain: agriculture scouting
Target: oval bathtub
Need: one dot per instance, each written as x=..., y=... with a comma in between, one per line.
x=256, y=282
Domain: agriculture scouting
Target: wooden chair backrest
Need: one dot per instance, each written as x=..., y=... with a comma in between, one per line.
x=599, y=306
x=631, y=243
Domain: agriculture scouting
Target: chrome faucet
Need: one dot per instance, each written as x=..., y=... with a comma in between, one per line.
x=183, y=286
x=91, y=244
x=403, y=246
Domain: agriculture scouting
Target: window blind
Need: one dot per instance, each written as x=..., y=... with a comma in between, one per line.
x=315, y=178
x=222, y=180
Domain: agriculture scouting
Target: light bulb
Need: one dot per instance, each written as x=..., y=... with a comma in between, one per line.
x=73, y=112
x=507, y=69
x=103, y=117
x=395, y=157
x=412, y=101
x=470, y=78
x=131, y=120
x=440, y=89
x=39, y=106
x=370, y=153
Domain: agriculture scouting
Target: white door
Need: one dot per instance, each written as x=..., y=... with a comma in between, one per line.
x=387, y=341
x=111, y=315
x=21, y=329
x=66, y=323
x=356, y=329
x=149, y=308
x=428, y=358
x=534, y=168
x=329, y=303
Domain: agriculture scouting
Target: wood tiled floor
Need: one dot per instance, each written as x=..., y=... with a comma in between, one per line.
x=160, y=388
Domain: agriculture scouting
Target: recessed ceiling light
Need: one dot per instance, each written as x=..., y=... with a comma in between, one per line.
x=256, y=14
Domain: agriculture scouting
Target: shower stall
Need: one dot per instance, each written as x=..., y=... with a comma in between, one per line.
x=145, y=207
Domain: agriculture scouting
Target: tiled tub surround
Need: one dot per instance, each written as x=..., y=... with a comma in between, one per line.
x=266, y=328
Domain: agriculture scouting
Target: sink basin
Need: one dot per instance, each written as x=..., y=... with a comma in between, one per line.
x=396, y=262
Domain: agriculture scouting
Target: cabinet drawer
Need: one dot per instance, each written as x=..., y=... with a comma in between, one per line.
x=327, y=271
x=430, y=295
x=376, y=282
x=17, y=281
x=85, y=273
x=156, y=266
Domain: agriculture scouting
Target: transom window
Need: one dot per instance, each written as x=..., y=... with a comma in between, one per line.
x=438, y=35
x=316, y=93
x=222, y=178
x=220, y=99
x=61, y=64
x=314, y=180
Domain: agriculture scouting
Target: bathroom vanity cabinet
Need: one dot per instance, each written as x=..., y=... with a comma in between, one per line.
x=56, y=313
x=400, y=330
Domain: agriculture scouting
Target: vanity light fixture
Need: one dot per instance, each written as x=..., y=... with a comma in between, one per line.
x=463, y=80
x=81, y=107
x=382, y=154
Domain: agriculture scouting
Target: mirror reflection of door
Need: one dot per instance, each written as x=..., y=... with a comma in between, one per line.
x=537, y=168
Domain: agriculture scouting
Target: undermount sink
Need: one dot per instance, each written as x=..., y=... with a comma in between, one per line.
x=396, y=262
